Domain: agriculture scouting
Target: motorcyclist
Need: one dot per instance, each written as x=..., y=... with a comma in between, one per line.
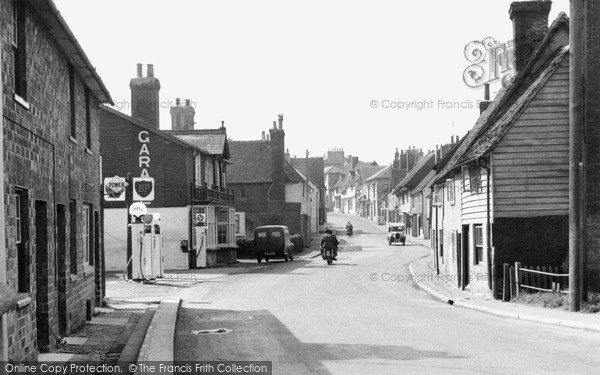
x=349, y=228
x=330, y=241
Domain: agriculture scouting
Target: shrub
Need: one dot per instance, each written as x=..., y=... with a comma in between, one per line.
x=298, y=242
x=246, y=247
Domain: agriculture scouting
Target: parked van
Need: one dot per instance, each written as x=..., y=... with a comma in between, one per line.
x=273, y=242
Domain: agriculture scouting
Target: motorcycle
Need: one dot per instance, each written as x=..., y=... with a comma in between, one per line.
x=327, y=255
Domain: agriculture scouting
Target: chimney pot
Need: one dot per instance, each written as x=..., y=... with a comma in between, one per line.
x=280, y=121
x=274, y=124
x=139, y=70
x=187, y=102
x=222, y=124
x=263, y=135
x=150, y=70
x=177, y=102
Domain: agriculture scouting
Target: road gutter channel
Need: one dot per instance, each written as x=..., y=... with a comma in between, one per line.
x=530, y=318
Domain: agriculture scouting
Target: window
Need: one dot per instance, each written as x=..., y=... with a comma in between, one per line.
x=450, y=191
x=72, y=100
x=198, y=169
x=242, y=193
x=475, y=179
x=209, y=173
x=87, y=238
x=237, y=224
x=222, y=224
x=18, y=44
x=437, y=195
x=88, y=124
x=22, y=240
x=478, y=256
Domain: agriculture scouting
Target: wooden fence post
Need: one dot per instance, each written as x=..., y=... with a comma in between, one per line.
x=511, y=273
x=506, y=284
x=517, y=278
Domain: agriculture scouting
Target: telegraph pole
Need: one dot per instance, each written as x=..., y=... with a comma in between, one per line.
x=577, y=191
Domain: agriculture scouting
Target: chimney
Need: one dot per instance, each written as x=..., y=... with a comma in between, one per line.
x=485, y=103
x=222, y=124
x=145, y=104
x=287, y=155
x=182, y=117
x=530, y=24
x=277, y=190
x=280, y=118
x=263, y=136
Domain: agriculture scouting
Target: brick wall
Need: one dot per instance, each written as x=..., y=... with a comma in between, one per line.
x=43, y=159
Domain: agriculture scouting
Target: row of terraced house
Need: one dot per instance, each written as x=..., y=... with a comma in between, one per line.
x=501, y=193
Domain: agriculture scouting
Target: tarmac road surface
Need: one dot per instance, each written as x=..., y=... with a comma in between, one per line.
x=363, y=315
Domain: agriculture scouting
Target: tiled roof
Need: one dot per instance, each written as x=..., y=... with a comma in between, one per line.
x=316, y=167
x=291, y=174
x=250, y=162
x=417, y=174
x=424, y=182
x=149, y=128
x=383, y=173
x=214, y=141
x=368, y=171
x=494, y=122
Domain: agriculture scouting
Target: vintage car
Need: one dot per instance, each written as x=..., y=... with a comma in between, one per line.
x=273, y=241
x=396, y=233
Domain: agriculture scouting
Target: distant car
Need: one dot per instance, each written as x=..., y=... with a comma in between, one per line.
x=273, y=242
x=396, y=233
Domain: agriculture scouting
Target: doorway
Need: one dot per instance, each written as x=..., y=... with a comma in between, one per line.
x=42, y=308
x=61, y=267
x=464, y=257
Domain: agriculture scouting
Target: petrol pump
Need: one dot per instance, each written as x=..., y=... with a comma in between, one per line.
x=199, y=241
x=146, y=254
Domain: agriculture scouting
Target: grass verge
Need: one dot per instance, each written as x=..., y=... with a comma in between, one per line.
x=559, y=301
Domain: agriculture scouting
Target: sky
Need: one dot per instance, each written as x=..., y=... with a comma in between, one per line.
x=368, y=77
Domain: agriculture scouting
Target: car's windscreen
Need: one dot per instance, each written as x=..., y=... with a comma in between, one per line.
x=262, y=234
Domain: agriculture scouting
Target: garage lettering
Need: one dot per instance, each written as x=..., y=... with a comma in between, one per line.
x=144, y=154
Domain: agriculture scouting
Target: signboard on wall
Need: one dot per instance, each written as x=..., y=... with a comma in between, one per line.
x=143, y=189
x=114, y=189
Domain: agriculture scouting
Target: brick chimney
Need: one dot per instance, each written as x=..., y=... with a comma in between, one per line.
x=277, y=141
x=182, y=116
x=530, y=24
x=396, y=164
x=145, y=104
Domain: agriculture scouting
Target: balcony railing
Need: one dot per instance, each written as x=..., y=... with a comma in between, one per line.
x=204, y=194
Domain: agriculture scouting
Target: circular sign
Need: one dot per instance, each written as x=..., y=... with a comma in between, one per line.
x=138, y=209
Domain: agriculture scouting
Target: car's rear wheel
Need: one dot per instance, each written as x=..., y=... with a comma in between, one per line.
x=259, y=259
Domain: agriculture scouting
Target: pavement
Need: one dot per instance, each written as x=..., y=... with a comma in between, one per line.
x=426, y=278
x=129, y=330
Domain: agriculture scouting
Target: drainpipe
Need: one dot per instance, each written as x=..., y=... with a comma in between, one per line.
x=491, y=268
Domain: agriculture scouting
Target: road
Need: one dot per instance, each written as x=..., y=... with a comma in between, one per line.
x=363, y=315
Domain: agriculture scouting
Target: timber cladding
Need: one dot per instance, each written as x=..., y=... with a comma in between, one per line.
x=531, y=163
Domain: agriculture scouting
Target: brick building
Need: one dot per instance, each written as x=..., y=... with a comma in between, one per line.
x=188, y=169
x=51, y=269
x=259, y=174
